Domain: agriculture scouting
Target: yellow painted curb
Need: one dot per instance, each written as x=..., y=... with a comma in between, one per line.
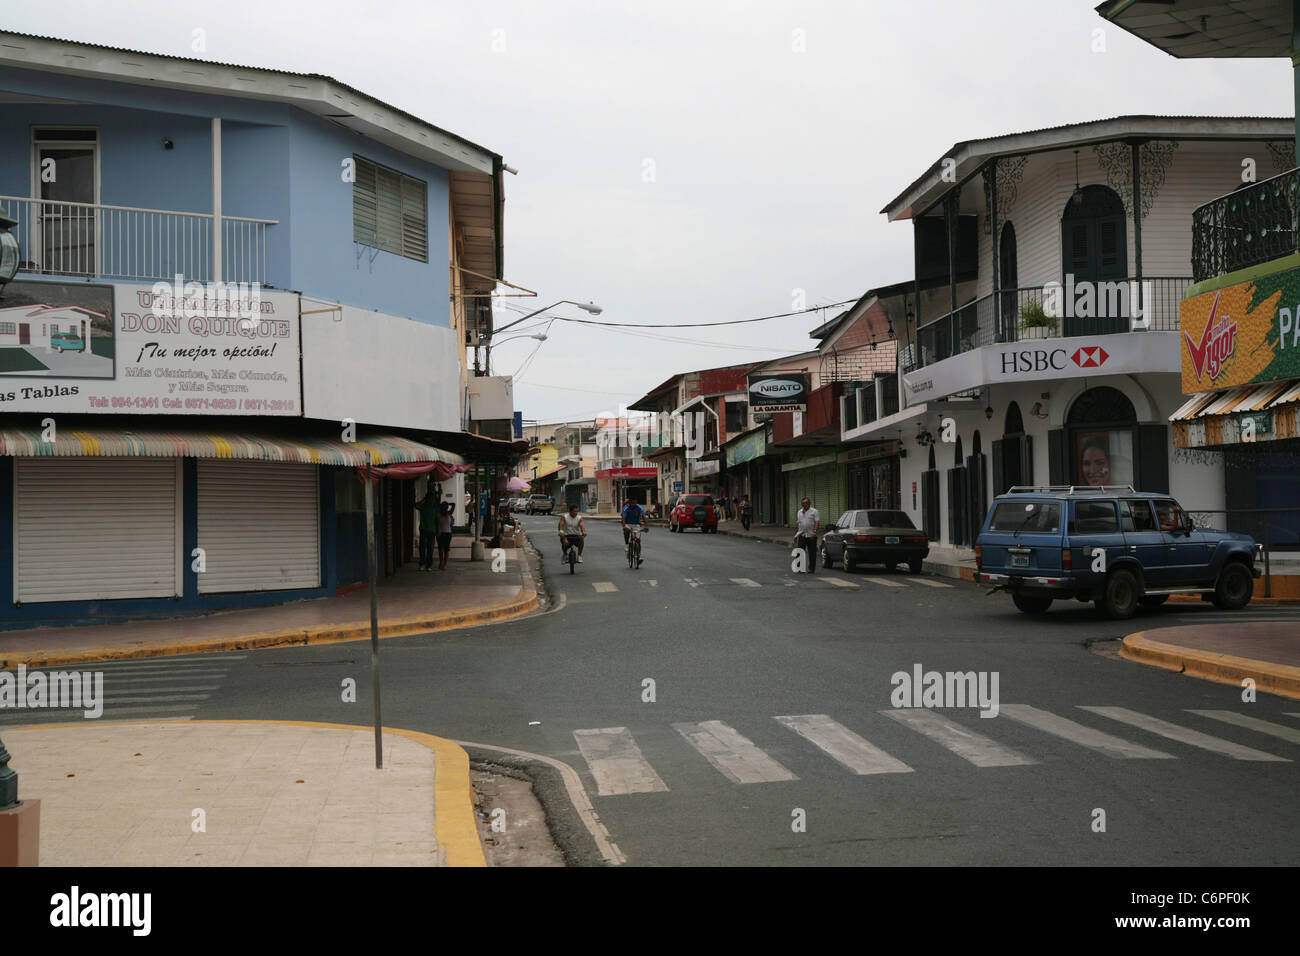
x=1271, y=678
x=454, y=826
x=526, y=601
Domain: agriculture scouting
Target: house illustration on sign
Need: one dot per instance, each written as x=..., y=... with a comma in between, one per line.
x=49, y=327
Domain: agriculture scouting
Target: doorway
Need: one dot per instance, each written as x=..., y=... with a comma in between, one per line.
x=65, y=178
x=1094, y=250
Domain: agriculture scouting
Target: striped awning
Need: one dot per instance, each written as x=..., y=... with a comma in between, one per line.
x=1229, y=401
x=147, y=443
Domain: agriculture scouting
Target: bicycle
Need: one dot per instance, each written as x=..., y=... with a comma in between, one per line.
x=570, y=544
x=634, y=545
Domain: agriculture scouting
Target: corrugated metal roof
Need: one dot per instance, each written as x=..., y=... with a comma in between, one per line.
x=1229, y=401
x=117, y=442
x=259, y=69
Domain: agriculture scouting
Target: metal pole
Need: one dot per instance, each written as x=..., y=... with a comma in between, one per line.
x=8, y=781
x=374, y=615
x=1268, y=570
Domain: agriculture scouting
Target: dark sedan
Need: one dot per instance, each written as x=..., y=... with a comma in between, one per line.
x=874, y=536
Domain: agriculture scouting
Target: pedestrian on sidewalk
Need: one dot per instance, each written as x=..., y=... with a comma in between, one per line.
x=428, y=510
x=724, y=505
x=444, y=534
x=808, y=521
x=746, y=512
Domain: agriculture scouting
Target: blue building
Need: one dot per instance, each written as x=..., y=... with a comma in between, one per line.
x=236, y=286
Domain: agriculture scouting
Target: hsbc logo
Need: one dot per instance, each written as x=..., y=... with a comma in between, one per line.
x=1024, y=361
x=1091, y=356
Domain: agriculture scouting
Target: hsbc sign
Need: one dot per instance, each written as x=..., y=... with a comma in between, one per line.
x=1040, y=360
x=1123, y=353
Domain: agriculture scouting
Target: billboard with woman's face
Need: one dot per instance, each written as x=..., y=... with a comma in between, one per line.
x=1104, y=458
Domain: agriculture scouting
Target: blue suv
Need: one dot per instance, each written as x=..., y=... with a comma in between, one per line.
x=1116, y=547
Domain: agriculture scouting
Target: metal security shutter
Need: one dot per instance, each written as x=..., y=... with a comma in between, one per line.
x=259, y=526
x=831, y=487
x=89, y=529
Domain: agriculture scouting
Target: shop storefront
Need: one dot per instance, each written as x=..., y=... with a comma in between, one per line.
x=1241, y=373
x=112, y=523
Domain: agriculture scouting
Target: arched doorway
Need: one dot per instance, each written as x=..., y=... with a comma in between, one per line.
x=958, y=499
x=977, y=487
x=1101, y=427
x=930, y=498
x=1013, y=458
x=1094, y=249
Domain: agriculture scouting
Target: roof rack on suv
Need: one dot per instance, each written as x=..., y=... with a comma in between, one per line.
x=1069, y=489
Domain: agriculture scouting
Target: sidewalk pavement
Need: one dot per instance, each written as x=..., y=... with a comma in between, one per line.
x=1267, y=652
x=410, y=602
x=245, y=793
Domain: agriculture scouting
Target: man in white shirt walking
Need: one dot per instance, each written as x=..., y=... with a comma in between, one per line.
x=807, y=522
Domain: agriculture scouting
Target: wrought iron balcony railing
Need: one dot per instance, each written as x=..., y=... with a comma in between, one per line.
x=1252, y=225
x=124, y=242
x=1121, y=306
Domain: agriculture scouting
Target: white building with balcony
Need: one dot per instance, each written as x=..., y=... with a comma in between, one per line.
x=1041, y=340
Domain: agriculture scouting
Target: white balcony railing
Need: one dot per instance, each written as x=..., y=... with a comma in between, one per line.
x=124, y=242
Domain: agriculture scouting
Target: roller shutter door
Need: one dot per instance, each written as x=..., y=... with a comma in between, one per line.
x=89, y=529
x=831, y=488
x=259, y=526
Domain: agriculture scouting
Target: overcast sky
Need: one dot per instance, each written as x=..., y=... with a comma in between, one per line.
x=695, y=161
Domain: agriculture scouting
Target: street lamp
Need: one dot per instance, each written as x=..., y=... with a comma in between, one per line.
x=10, y=251
x=585, y=306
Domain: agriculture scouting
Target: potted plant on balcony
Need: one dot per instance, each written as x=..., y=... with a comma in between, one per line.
x=1035, y=322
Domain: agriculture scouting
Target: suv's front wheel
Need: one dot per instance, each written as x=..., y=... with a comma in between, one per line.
x=1120, y=598
x=1234, y=589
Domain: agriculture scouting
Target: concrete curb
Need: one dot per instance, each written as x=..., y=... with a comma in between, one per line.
x=525, y=601
x=1271, y=678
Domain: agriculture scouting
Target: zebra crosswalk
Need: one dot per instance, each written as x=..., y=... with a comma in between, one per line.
x=817, y=580
x=154, y=688
x=619, y=767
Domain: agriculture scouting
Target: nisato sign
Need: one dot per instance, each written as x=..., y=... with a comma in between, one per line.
x=787, y=392
x=1245, y=334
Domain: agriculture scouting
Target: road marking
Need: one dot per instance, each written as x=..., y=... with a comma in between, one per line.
x=841, y=583
x=1185, y=735
x=885, y=581
x=836, y=740
x=928, y=583
x=616, y=762
x=976, y=748
x=1077, y=733
x=1251, y=723
x=604, y=587
x=732, y=755
x=692, y=582
x=652, y=582
x=746, y=582
x=790, y=582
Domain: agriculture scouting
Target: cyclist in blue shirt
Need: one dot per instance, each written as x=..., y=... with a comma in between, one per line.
x=632, y=513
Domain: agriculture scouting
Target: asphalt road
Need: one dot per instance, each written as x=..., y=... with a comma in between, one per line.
x=703, y=770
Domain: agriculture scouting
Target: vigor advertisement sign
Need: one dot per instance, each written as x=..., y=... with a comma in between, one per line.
x=1245, y=334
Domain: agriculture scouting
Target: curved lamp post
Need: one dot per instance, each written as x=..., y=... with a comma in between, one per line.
x=585, y=306
x=10, y=254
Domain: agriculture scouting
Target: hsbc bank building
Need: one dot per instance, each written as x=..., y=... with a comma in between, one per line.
x=1040, y=339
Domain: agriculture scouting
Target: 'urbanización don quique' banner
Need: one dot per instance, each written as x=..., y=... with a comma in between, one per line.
x=117, y=348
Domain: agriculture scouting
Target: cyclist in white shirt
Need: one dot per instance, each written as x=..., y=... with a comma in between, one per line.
x=571, y=525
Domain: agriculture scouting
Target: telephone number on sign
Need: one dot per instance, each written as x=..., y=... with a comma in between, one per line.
x=135, y=403
x=225, y=403
x=267, y=405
